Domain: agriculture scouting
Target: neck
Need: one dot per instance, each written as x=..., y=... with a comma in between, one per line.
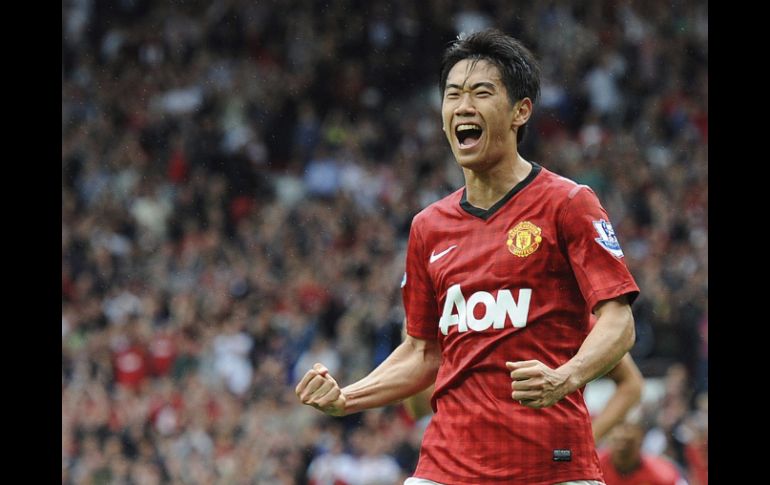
x=484, y=189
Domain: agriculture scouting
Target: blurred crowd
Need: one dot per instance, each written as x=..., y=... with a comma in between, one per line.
x=238, y=181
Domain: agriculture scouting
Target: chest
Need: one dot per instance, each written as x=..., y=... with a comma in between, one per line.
x=507, y=252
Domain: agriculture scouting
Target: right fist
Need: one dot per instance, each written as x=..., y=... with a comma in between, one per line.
x=318, y=389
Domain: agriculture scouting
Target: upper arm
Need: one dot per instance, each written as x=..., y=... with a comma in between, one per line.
x=418, y=405
x=614, y=317
x=426, y=349
x=593, y=250
x=618, y=307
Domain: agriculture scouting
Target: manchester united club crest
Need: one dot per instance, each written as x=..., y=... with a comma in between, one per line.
x=524, y=239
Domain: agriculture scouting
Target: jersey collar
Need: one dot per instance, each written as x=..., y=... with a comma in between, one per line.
x=487, y=213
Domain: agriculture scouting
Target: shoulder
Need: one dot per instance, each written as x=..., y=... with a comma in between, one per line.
x=439, y=210
x=563, y=195
x=560, y=188
x=604, y=455
x=664, y=469
x=605, y=462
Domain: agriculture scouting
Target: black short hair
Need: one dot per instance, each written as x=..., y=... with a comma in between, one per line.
x=518, y=67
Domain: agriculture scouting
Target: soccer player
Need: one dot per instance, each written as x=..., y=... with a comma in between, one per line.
x=501, y=277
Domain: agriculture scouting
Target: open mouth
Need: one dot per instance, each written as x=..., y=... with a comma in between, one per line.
x=468, y=135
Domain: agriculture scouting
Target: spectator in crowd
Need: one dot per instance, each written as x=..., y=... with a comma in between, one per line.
x=625, y=463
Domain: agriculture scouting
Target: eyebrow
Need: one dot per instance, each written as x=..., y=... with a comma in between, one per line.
x=484, y=84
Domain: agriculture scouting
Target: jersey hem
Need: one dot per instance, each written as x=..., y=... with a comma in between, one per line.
x=550, y=480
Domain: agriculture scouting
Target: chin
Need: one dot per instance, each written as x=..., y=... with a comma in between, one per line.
x=476, y=162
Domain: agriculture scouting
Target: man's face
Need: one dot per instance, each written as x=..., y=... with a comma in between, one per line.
x=477, y=115
x=626, y=443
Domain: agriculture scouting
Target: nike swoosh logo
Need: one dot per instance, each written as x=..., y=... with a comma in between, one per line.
x=435, y=257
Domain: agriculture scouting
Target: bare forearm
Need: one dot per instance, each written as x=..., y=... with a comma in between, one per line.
x=409, y=369
x=612, y=336
x=627, y=394
x=616, y=409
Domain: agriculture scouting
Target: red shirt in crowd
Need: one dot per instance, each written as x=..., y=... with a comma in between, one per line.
x=131, y=366
x=652, y=471
x=162, y=353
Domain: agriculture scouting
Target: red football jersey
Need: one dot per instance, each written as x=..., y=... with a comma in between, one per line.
x=515, y=282
x=652, y=471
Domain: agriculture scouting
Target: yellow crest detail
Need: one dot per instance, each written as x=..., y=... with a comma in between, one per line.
x=524, y=239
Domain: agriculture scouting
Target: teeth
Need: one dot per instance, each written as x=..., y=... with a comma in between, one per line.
x=468, y=127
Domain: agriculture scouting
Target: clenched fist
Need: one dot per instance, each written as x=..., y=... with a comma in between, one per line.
x=318, y=389
x=536, y=385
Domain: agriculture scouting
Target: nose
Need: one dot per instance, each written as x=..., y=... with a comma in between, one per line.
x=465, y=105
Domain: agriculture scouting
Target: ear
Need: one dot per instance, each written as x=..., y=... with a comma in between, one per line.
x=522, y=110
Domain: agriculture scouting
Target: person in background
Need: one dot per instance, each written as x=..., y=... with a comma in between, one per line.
x=624, y=463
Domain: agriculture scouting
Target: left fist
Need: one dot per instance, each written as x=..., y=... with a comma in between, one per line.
x=536, y=385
